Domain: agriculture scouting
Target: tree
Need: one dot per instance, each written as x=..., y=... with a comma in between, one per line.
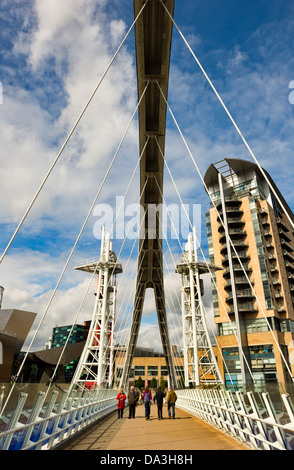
x=162, y=384
x=153, y=383
x=140, y=382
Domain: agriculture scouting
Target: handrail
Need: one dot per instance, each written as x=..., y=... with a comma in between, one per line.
x=48, y=426
x=228, y=412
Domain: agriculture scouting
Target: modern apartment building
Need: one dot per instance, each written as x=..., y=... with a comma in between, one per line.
x=251, y=238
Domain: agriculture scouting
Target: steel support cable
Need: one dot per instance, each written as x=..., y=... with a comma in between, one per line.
x=118, y=256
x=95, y=271
x=70, y=135
x=136, y=301
x=200, y=300
x=211, y=329
x=230, y=117
x=229, y=238
x=166, y=329
x=165, y=162
x=124, y=337
x=131, y=277
x=173, y=323
x=73, y=248
x=215, y=285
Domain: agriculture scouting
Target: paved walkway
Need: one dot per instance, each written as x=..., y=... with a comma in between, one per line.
x=183, y=433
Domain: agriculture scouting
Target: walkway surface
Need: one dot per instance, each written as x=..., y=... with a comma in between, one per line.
x=185, y=432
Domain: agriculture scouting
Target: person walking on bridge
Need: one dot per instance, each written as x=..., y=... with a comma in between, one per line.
x=158, y=397
x=147, y=399
x=133, y=398
x=121, y=401
x=171, y=403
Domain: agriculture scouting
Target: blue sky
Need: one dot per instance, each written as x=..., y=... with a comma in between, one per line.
x=51, y=58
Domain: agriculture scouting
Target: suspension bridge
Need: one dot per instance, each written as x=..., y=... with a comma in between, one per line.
x=57, y=418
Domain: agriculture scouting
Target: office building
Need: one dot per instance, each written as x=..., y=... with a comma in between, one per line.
x=250, y=236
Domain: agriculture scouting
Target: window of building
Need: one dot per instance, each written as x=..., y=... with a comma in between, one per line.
x=139, y=371
x=152, y=370
x=228, y=328
x=164, y=370
x=232, y=359
x=262, y=357
x=256, y=324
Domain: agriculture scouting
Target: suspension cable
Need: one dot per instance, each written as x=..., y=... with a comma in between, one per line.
x=234, y=328
x=227, y=234
x=75, y=244
x=70, y=135
x=96, y=267
x=231, y=118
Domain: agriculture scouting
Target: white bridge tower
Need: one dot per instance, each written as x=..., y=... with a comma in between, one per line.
x=200, y=364
x=95, y=367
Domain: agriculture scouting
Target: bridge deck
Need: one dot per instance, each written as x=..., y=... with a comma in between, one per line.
x=185, y=432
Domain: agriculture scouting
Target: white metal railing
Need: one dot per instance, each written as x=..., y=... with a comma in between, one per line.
x=257, y=425
x=45, y=427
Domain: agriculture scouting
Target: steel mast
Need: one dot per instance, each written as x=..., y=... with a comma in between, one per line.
x=96, y=363
x=200, y=365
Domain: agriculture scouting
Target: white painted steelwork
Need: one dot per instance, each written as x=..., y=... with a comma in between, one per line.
x=44, y=427
x=200, y=364
x=257, y=425
x=96, y=363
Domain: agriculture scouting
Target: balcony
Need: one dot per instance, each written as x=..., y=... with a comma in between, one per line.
x=234, y=234
x=242, y=255
x=238, y=269
x=288, y=256
x=282, y=225
x=289, y=266
x=245, y=294
x=238, y=244
x=267, y=233
x=244, y=308
x=286, y=246
x=284, y=235
x=239, y=281
x=278, y=295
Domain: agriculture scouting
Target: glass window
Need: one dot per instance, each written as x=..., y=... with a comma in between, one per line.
x=164, y=370
x=152, y=370
x=139, y=370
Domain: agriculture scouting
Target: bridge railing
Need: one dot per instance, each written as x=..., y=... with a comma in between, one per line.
x=256, y=424
x=43, y=427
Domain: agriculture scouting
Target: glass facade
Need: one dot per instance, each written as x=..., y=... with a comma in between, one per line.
x=263, y=365
x=59, y=338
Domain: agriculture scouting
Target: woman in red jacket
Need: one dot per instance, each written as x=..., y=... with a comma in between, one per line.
x=121, y=400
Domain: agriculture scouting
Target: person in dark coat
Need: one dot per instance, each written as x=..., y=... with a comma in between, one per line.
x=158, y=397
x=147, y=399
x=133, y=397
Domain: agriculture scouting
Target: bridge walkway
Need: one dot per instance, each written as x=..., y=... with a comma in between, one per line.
x=185, y=432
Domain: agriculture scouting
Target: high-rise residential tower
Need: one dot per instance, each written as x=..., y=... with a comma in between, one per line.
x=250, y=235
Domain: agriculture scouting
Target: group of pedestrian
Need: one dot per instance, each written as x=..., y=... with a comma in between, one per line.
x=134, y=397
